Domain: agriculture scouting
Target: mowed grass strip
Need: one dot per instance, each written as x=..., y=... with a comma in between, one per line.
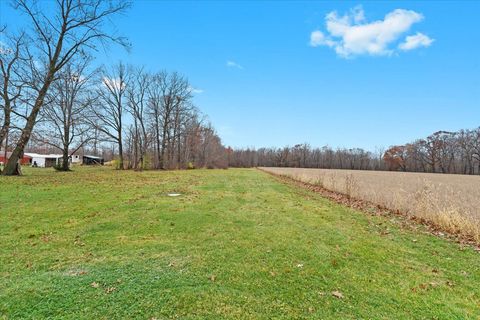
x=103, y=244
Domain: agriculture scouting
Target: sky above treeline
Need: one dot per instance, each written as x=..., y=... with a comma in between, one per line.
x=343, y=74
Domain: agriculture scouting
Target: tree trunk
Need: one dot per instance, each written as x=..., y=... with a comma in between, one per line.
x=179, y=149
x=120, y=154
x=66, y=145
x=162, y=150
x=11, y=168
x=65, y=164
x=5, y=127
x=157, y=138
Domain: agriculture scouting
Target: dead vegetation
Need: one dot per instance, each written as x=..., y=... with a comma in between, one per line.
x=445, y=202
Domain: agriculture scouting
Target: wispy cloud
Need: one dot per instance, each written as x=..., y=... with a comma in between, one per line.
x=113, y=84
x=351, y=35
x=233, y=64
x=416, y=41
x=195, y=90
x=4, y=49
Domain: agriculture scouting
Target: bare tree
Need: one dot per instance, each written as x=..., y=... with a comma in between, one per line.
x=108, y=112
x=466, y=151
x=137, y=106
x=65, y=115
x=10, y=84
x=475, y=141
x=166, y=95
x=75, y=26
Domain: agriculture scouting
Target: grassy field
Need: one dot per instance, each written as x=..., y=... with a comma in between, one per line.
x=103, y=244
x=451, y=201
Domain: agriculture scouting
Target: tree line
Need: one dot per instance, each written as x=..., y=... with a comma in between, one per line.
x=53, y=98
x=304, y=156
x=441, y=152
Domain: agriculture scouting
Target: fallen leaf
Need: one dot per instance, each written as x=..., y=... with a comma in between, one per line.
x=94, y=285
x=110, y=289
x=385, y=232
x=337, y=294
x=212, y=278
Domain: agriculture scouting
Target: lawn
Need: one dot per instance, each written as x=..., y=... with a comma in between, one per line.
x=103, y=244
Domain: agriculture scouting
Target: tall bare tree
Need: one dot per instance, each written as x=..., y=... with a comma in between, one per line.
x=64, y=117
x=74, y=26
x=108, y=112
x=10, y=84
x=167, y=93
x=137, y=106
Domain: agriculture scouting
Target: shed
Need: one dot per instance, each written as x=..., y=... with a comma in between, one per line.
x=92, y=160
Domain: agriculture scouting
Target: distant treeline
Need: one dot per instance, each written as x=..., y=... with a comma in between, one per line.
x=441, y=152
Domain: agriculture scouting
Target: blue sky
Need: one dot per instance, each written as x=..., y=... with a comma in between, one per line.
x=265, y=82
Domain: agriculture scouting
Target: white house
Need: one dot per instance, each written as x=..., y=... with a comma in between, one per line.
x=45, y=160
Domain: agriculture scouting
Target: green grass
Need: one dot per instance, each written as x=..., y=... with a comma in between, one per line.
x=236, y=244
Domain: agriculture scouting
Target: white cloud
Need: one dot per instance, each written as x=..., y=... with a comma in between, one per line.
x=350, y=35
x=4, y=49
x=317, y=38
x=233, y=64
x=358, y=14
x=113, y=84
x=416, y=41
x=195, y=90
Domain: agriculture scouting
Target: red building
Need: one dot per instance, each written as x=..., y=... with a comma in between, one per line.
x=25, y=160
